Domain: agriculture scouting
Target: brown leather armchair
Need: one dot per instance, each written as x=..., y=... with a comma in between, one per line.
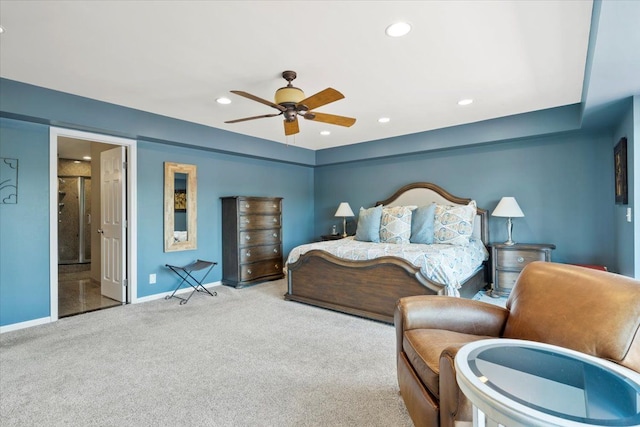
x=594, y=312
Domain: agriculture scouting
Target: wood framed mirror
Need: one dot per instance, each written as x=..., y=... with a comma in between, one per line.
x=180, y=207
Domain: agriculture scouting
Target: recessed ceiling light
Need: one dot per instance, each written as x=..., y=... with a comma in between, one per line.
x=223, y=100
x=465, y=101
x=384, y=120
x=398, y=29
x=325, y=133
x=86, y=157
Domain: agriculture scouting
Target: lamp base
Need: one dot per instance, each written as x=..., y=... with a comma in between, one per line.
x=509, y=241
x=344, y=226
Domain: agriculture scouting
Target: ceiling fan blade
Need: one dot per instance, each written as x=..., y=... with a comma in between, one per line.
x=321, y=98
x=331, y=119
x=291, y=128
x=253, y=118
x=258, y=99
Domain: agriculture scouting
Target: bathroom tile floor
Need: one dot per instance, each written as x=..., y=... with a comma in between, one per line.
x=77, y=294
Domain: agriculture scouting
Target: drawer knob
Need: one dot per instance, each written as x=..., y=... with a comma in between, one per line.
x=248, y=253
x=247, y=206
x=247, y=237
x=275, y=219
x=275, y=250
x=249, y=271
x=275, y=206
x=246, y=221
x=275, y=234
x=276, y=266
x=520, y=259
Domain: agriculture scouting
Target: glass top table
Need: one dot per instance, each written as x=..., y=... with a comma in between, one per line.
x=525, y=383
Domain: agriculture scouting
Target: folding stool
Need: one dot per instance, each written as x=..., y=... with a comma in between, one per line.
x=185, y=274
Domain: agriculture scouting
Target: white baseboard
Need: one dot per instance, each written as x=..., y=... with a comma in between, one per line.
x=180, y=291
x=23, y=325
x=44, y=320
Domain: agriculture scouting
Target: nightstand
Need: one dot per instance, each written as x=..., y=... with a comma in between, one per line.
x=331, y=237
x=507, y=261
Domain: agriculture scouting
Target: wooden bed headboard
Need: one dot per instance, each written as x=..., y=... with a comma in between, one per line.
x=425, y=193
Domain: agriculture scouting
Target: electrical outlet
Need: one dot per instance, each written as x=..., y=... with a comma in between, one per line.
x=152, y=279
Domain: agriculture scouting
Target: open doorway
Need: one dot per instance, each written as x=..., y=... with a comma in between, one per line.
x=78, y=263
x=79, y=289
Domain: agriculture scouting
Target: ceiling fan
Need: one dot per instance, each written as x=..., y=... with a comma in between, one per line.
x=291, y=102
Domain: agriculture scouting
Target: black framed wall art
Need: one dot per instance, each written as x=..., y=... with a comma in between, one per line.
x=620, y=167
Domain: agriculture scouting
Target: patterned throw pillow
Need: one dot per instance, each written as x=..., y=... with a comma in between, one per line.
x=395, y=225
x=453, y=225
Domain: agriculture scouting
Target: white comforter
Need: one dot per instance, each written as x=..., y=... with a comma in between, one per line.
x=449, y=265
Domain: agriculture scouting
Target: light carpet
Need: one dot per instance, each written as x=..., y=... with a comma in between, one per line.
x=482, y=296
x=243, y=358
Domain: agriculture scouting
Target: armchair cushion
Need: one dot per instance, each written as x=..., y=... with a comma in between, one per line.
x=424, y=347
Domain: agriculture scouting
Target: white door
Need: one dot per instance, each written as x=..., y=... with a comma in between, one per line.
x=113, y=224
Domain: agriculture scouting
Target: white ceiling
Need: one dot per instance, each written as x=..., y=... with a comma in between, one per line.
x=174, y=58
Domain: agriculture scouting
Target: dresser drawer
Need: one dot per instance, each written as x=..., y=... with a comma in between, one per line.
x=259, y=253
x=506, y=279
x=257, y=206
x=256, y=222
x=259, y=237
x=517, y=259
x=260, y=269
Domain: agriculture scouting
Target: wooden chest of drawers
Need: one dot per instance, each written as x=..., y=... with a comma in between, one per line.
x=251, y=240
x=507, y=261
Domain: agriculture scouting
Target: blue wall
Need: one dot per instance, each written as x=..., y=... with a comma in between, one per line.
x=24, y=226
x=218, y=175
x=564, y=185
x=628, y=232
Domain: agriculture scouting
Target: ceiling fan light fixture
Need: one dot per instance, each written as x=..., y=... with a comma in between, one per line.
x=398, y=29
x=288, y=95
x=223, y=100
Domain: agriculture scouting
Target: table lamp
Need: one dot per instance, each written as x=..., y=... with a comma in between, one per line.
x=344, y=210
x=508, y=207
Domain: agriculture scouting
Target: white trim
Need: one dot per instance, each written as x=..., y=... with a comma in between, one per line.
x=132, y=209
x=23, y=325
x=53, y=225
x=181, y=291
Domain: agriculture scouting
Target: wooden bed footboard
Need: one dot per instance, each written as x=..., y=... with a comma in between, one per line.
x=368, y=289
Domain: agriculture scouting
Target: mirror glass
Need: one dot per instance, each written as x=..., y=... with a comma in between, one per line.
x=180, y=207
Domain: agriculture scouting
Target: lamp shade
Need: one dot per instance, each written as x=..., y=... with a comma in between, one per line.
x=344, y=210
x=508, y=207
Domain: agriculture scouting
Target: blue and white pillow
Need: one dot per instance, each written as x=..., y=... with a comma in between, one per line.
x=395, y=225
x=453, y=225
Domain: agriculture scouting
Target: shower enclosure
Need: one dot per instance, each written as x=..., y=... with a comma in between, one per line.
x=74, y=220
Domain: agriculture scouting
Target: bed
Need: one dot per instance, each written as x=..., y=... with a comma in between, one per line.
x=369, y=288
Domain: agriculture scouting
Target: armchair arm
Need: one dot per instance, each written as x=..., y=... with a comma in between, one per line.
x=453, y=314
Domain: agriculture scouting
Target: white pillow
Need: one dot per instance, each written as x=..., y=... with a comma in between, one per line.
x=453, y=225
x=395, y=225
